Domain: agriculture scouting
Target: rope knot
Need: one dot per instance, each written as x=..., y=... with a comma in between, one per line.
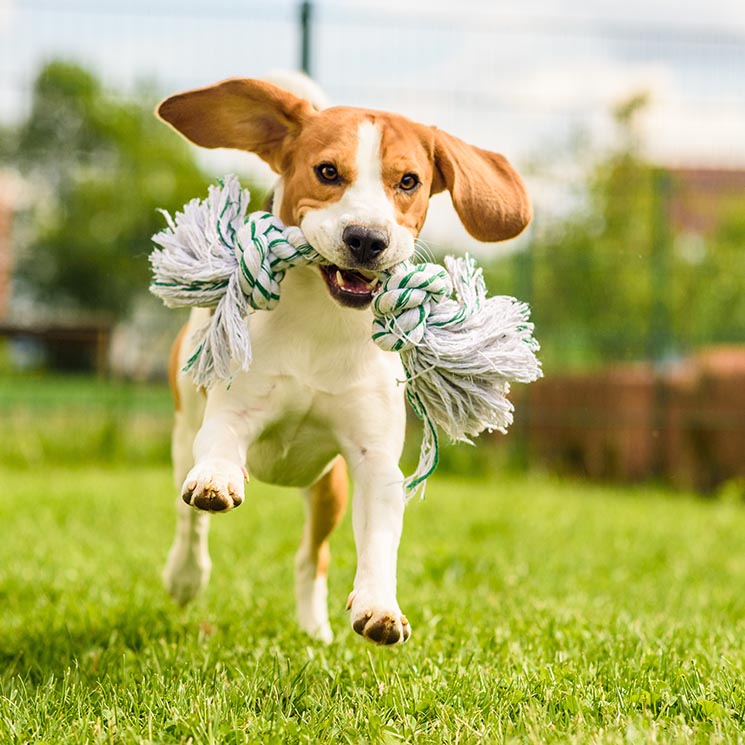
x=403, y=307
x=265, y=250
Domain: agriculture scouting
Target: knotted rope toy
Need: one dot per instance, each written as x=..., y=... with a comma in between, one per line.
x=460, y=349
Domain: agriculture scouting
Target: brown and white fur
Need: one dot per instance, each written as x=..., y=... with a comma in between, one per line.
x=320, y=397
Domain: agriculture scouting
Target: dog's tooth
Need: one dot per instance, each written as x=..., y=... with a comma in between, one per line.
x=373, y=283
x=339, y=279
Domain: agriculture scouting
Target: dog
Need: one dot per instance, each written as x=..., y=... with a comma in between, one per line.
x=321, y=400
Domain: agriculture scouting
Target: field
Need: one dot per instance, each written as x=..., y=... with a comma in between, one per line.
x=542, y=610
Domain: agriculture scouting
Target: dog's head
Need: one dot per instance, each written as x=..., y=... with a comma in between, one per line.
x=356, y=182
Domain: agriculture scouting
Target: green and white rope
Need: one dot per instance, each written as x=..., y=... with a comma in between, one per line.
x=459, y=348
x=214, y=255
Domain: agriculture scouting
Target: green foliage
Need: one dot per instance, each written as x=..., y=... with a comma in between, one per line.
x=709, y=284
x=611, y=280
x=99, y=168
x=592, y=283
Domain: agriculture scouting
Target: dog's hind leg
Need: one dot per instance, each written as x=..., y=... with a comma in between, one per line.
x=187, y=569
x=325, y=504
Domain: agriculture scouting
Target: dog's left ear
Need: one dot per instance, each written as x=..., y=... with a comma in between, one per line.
x=239, y=113
x=487, y=192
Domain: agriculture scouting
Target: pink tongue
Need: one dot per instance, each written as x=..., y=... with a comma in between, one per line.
x=353, y=283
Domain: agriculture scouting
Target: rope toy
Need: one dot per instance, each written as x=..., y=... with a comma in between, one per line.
x=460, y=349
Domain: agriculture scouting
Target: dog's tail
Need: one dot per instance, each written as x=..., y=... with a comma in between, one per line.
x=300, y=85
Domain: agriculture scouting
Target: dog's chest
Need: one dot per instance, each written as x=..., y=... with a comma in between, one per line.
x=313, y=360
x=311, y=339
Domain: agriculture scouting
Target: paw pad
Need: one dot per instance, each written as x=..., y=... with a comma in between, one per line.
x=382, y=627
x=213, y=491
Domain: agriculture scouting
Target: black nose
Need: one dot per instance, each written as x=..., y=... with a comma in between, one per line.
x=364, y=243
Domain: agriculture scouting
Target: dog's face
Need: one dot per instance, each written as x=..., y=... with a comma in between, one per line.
x=356, y=182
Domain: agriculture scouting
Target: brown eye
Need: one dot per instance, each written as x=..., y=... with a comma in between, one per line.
x=327, y=173
x=408, y=182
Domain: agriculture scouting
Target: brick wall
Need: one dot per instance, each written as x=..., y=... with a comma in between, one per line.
x=10, y=193
x=6, y=221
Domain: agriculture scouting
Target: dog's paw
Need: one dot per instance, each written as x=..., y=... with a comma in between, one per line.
x=381, y=623
x=184, y=576
x=214, y=486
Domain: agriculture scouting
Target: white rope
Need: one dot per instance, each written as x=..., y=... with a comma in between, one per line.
x=460, y=349
x=214, y=255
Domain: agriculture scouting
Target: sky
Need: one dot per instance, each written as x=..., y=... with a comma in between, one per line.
x=523, y=78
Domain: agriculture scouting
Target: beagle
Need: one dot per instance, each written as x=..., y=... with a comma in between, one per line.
x=321, y=399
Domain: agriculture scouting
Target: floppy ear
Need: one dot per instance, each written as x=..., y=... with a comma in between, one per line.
x=487, y=192
x=239, y=113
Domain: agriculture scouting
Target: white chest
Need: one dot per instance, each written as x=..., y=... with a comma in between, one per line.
x=316, y=382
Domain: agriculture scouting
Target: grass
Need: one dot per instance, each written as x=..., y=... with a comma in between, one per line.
x=65, y=420
x=542, y=610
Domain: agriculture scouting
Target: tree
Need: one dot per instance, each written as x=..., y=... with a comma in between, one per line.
x=593, y=284
x=588, y=272
x=611, y=280
x=99, y=168
x=709, y=284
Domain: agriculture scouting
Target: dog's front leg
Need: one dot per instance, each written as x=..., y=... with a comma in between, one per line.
x=216, y=482
x=377, y=517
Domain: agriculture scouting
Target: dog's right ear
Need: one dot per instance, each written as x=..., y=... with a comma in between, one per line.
x=239, y=113
x=487, y=192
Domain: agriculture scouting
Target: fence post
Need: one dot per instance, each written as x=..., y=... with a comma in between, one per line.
x=306, y=19
x=660, y=342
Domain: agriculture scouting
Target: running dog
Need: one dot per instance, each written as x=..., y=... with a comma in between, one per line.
x=321, y=399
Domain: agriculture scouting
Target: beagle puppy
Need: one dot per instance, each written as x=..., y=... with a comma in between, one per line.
x=321, y=400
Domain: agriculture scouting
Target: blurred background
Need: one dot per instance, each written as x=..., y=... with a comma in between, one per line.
x=627, y=121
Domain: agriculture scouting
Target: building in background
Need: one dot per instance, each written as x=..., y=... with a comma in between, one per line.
x=702, y=198
x=9, y=197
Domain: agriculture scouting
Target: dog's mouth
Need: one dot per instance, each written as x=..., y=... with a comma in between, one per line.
x=352, y=288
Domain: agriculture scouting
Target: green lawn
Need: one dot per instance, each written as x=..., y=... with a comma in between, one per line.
x=541, y=611
x=69, y=419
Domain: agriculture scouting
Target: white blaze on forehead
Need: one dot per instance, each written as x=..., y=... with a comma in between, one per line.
x=369, y=167
x=366, y=199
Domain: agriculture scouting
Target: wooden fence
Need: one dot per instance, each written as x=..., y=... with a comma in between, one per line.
x=684, y=424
